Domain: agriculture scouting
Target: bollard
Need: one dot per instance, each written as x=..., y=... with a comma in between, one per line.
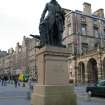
x=89, y=96
x=23, y=85
x=31, y=88
x=28, y=95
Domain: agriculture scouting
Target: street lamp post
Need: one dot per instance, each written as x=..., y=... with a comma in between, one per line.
x=100, y=64
x=37, y=39
x=100, y=58
x=75, y=59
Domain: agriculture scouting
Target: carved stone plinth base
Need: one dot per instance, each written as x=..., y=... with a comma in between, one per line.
x=53, y=95
x=53, y=87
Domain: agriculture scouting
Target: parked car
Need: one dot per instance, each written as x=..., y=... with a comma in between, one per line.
x=97, y=90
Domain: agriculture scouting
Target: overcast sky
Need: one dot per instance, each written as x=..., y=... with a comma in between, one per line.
x=20, y=18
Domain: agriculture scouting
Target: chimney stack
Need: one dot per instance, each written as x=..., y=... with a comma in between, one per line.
x=86, y=8
x=99, y=13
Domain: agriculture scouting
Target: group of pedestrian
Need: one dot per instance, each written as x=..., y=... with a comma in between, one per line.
x=5, y=80
x=15, y=79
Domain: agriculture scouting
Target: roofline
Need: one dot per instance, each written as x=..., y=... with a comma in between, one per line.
x=95, y=17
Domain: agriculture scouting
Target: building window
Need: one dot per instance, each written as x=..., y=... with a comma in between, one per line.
x=104, y=33
x=69, y=29
x=94, y=20
x=71, y=74
x=70, y=47
x=19, y=49
x=96, y=45
x=84, y=47
x=96, y=32
x=83, y=29
x=83, y=19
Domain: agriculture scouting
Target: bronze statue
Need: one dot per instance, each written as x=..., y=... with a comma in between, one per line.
x=51, y=26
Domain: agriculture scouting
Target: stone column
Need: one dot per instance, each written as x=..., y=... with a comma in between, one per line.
x=86, y=72
x=53, y=87
x=99, y=69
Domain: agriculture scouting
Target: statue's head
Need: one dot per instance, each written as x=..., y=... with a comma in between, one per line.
x=53, y=0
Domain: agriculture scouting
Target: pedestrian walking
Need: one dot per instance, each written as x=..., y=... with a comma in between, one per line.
x=2, y=80
x=15, y=81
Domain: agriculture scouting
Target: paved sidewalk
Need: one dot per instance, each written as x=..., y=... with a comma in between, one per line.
x=9, y=95
x=14, y=102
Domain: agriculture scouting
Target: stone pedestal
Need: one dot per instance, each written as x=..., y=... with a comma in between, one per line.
x=53, y=87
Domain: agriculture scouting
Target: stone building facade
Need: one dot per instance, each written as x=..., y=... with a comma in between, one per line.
x=2, y=54
x=84, y=35
x=20, y=60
